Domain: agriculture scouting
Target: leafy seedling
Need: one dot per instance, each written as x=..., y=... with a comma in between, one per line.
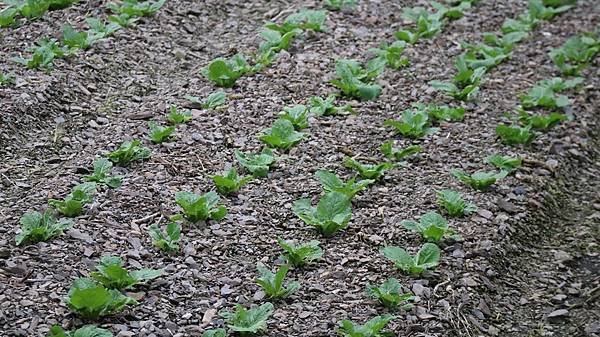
x=432, y=226
x=576, y=53
x=78, y=40
x=158, y=133
x=504, y=42
x=84, y=331
x=414, y=124
x=479, y=180
x=101, y=29
x=336, y=5
x=390, y=152
x=301, y=254
x=326, y=107
x=514, y=134
x=373, y=328
x=230, y=182
x=281, y=135
x=257, y=164
x=442, y=112
x=453, y=203
x=225, y=72
x=355, y=81
x=332, y=214
x=137, y=8
x=272, y=283
x=297, y=115
x=167, y=241
x=538, y=10
x=128, y=152
x=523, y=23
x=123, y=20
x=176, y=117
x=200, y=207
x=504, y=163
x=43, y=55
x=389, y=293
x=541, y=122
x=465, y=83
x=220, y=332
x=332, y=183
x=428, y=257
x=37, y=227
x=8, y=17
x=545, y=93
x=72, y=204
x=101, y=175
x=248, y=321
x=485, y=56
x=368, y=171
x=391, y=54
x=275, y=41
x=213, y=101
x=111, y=274
x=6, y=79
x=92, y=300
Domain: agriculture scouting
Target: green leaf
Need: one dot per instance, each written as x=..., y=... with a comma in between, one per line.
x=331, y=183
x=102, y=169
x=85, y=331
x=230, y=182
x=414, y=124
x=252, y=320
x=215, y=333
x=373, y=328
x=111, y=274
x=431, y=226
x=72, y=204
x=273, y=284
x=281, y=135
x=504, y=163
x=224, y=73
x=214, y=100
x=91, y=300
x=545, y=93
x=368, y=171
x=158, y=133
x=175, y=117
x=257, y=164
x=301, y=254
x=129, y=152
x=200, y=207
x=397, y=154
x=332, y=214
x=37, y=227
x=514, y=134
x=355, y=81
x=453, y=203
x=297, y=115
x=389, y=294
x=167, y=241
x=479, y=180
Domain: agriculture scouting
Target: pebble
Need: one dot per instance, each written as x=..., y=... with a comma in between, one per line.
x=558, y=314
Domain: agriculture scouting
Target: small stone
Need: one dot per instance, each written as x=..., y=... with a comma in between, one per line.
x=92, y=123
x=558, y=314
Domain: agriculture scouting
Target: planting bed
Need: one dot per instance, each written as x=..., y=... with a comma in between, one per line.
x=520, y=268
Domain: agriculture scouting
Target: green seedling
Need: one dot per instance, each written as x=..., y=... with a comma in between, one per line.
x=128, y=152
x=453, y=203
x=428, y=257
x=230, y=182
x=38, y=227
x=332, y=183
x=257, y=164
x=167, y=241
x=72, y=204
x=111, y=274
x=368, y=171
x=332, y=214
x=272, y=283
x=389, y=293
x=101, y=174
x=301, y=254
x=91, y=300
x=200, y=207
x=248, y=321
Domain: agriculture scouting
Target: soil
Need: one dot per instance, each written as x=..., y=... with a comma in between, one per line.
x=529, y=253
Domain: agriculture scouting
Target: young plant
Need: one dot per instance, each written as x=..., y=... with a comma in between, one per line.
x=281, y=135
x=373, y=328
x=389, y=294
x=332, y=183
x=37, y=227
x=486, y=56
x=248, y=321
x=230, y=182
x=158, y=133
x=72, y=204
x=225, y=72
x=128, y=152
x=498, y=46
x=414, y=124
x=175, y=117
x=8, y=17
x=78, y=40
x=167, y=241
x=102, y=169
x=504, y=163
x=576, y=53
x=428, y=25
x=355, y=81
x=200, y=207
x=84, y=331
x=99, y=28
x=257, y=164
x=332, y=214
x=301, y=254
x=92, y=300
x=432, y=226
x=514, y=134
x=213, y=101
x=453, y=203
x=220, y=332
x=43, y=55
x=545, y=93
x=274, y=42
x=297, y=115
x=111, y=274
x=137, y=8
x=479, y=180
x=392, y=54
x=428, y=257
x=123, y=20
x=523, y=23
x=336, y=5
x=272, y=283
x=538, y=10
x=6, y=79
x=307, y=19
x=326, y=107
x=466, y=82
x=368, y=171
x=443, y=112
x=396, y=154
x=541, y=122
